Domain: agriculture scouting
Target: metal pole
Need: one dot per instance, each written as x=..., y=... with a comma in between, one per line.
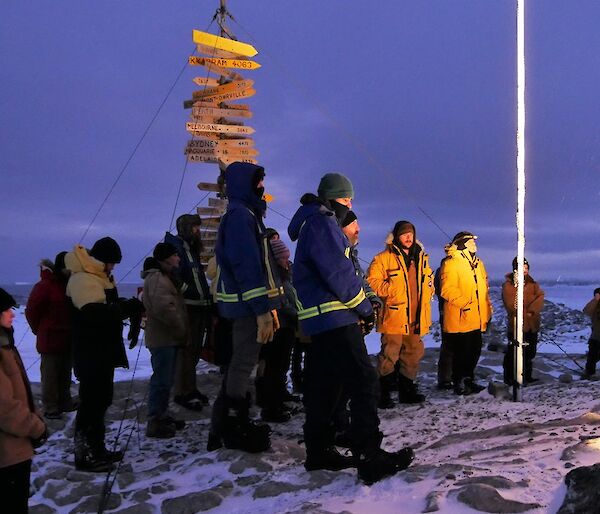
x=518, y=375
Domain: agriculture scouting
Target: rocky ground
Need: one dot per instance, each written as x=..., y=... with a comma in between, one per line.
x=480, y=453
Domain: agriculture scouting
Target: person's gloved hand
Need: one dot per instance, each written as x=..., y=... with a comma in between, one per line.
x=39, y=441
x=276, y=323
x=265, y=330
x=367, y=323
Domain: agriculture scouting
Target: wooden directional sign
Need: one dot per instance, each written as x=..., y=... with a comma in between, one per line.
x=216, y=127
x=239, y=107
x=219, y=151
x=194, y=60
x=217, y=112
x=206, y=102
x=228, y=160
x=236, y=85
x=243, y=64
x=207, y=186
x=209, y=211
x=221, y=43
x=211, y=51
x=221, y=143
x=206, y=81
x=233, y=95
x=217, y=202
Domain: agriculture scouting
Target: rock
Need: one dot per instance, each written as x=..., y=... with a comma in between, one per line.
x=274, y=488
x=41, y=509
x=62, y=495
x=499, y=390
x=432, y=501
x=91, y=504
x=191, y=503
x=141, y=496
x=140, y=508
x=583, y=494
x=249, y=480
x=497, y=482
x=486, y=499
x=249, y=461
x=125, y=479
x=565, y=378
x=53, y=474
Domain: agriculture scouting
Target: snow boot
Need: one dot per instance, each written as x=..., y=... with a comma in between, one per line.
x=327, y=458
x=242, y=433
x=178, y=424
x=374, y=463
x=86, y=459
x=275, y=415
x=160, y=428
x=386, y=384
x=474, y=386
x=407, y=391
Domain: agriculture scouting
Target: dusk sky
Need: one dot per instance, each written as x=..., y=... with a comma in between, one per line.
x=414, y=101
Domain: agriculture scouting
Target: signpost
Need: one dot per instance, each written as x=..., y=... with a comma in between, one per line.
x=236, y=85
x=221, y=43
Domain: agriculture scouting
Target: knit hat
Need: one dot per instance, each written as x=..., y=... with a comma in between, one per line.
x=403, y=227
x=106, y=250
x=270, y=233
x=6, y=301
x=596, y=291
x=59, y=262
x=280, y=251
x=185, y=223
x=335, y=185
x=461, y=238
x=162, y=251
x=350, y=217
x=515, y=263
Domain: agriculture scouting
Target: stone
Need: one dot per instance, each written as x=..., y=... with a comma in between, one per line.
x=432, y=501
x=91, y=504
x=499, y=390
x=53, y=474
x=61, y=495
x=140, y=508
x=565, y=378
x=41, y=509
x=486, y=499
x=497, y=482
x=248, y=480
x=274, y=488
x=583, y=494
x=191, y=503
x=125, y=479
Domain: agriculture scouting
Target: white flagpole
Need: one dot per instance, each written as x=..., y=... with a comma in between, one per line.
x=518, y=376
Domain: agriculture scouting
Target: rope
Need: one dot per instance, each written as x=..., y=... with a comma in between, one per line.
x=347, y=134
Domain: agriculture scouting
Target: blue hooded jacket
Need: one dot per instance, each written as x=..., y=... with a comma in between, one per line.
x=246, y=282
x=330, y=293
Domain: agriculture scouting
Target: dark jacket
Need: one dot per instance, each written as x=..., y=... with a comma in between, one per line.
x=330, y=293
x=592, y=309
x=533, y=303
x=97, y=314
x=47, y=312
x=195, y=289
x=247, y=283
x=19, y=422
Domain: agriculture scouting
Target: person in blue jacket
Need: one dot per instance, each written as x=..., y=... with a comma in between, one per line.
x=248, y=290
x=334, y=311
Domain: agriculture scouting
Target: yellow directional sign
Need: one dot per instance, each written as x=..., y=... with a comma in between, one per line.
x=220, y=128
x=233, y=95
x=211, y=51
x=214, y=111
x=236, y=85
x=232, y=151
x=206, y=81
x=243, y=64
x=207, y=186
x=228, y=160
x=221, y=158
x=194, y=60
x=221, y=43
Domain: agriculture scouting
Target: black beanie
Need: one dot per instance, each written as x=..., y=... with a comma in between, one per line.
x=6, y=301
x=106, y=250
x=461, y=238
x=162, y=251
x=596, y=291
x=59, y=262
x=515, y=263
x=350, y=217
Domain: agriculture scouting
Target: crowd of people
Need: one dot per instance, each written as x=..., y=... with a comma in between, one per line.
x=260, y=313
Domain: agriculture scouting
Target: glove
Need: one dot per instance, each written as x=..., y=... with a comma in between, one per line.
x=276, y=323
x=133, y=308
x=39, y=441
x=367, y=323
x=135, y=325
x=265, y=330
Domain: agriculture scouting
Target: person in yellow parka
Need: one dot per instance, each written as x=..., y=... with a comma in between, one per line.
x=467, y=309
x=402, y=278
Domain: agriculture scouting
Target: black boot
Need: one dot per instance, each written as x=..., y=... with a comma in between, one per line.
x=386, y=385
x=407, y=391
x=374, y=463
x=242, y=433
x=327, y=458
x=86, y=459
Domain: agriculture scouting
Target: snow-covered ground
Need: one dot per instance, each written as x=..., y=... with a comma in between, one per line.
x=473, y=454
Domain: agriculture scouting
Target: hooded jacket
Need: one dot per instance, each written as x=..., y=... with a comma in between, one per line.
x=47, y=313
x=166, y=315
x=19, y=422
x=330, y=293
x=533, y=303
x=247, y=284
x=96, y=314
x=592, y=309
x=388, y=276
x=195, y=289
x=464, y=288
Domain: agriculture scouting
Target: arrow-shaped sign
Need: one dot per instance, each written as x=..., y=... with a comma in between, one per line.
x=243, y=64
x=216, y=127
x=214, y=111
x=221, y=43
x=236, y=85
x=194, y=60
x=206, y=81
x=221, y=143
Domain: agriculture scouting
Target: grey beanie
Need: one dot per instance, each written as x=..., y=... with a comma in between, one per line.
x=335, y=185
